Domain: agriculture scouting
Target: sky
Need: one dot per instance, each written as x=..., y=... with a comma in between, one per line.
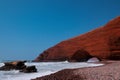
x=28, y=27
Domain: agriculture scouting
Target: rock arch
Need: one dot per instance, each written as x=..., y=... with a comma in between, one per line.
x=80, y=56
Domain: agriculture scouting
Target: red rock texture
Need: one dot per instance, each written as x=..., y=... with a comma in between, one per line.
x=103, y=42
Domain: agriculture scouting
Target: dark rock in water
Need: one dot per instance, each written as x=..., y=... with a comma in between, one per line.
x=103, y=42
x=29, y=69
x=80, y=56
x=7, y=67
x=17, y=65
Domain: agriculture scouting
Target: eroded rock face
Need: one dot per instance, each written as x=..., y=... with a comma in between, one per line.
x=103, y=42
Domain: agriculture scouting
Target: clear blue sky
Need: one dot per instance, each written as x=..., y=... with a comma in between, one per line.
x=28, y=27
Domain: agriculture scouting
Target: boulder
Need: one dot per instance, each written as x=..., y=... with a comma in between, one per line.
x=29, y=69
x=103, y=43
x=17, y=65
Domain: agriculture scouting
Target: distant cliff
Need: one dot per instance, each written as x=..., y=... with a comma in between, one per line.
x=103, y=42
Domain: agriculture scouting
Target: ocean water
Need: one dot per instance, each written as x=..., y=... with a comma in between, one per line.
x=44, y=68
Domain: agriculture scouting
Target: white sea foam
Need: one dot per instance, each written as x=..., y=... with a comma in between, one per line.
x=1, y=64
x=44, y=68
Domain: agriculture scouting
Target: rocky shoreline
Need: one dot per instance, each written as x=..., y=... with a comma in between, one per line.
x=110, y=71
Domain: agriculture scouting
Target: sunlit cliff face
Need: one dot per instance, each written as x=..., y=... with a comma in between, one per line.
x=103, y=42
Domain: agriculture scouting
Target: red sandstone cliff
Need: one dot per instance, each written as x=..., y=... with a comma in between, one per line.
x=103, y=42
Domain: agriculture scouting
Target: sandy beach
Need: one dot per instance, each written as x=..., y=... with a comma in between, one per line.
x=110, y=71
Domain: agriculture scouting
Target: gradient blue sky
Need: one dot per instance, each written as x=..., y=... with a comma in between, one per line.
x=27, y=27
